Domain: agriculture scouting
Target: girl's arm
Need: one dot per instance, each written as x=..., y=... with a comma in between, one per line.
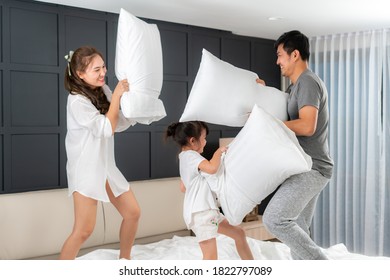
x=211, y=166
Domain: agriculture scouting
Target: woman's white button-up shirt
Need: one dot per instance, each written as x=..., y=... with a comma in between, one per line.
x=89, y=146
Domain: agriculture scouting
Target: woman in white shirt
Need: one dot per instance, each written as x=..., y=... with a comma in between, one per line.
x=93, y=116
x=200, y=210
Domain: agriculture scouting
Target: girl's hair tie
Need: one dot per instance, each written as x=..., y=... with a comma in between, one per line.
x=68, y=58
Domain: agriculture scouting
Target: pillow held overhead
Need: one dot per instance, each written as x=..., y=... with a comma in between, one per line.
x=224, y=94
x=138, y=59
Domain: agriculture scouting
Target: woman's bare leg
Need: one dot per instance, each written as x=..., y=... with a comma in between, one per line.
x=84, y=222
x=128, y=207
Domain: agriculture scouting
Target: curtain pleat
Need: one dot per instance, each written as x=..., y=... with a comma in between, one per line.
x=354, y=208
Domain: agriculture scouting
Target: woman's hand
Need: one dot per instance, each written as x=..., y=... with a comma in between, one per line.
x=113, y=111
x=122, y=87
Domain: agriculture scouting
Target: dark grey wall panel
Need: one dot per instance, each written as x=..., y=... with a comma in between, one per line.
x=35, y=161
x=1, y=164
x=80, y=31
x=174, y=48
x=1, y=104
x=35, y=36
x=212, y=143
x=174, y=97
x=132, y=154
x=229, y=133
x=264, y=62
x=210, y=42
x=1, y=35
x=237, y=52
x=36, y=40
x=34, y=99
x=164, y=157
x=1, y=99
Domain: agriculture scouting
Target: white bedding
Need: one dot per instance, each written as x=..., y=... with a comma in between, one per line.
x=186, y=248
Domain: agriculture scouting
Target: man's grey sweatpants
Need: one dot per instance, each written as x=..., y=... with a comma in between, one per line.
x=290, y=212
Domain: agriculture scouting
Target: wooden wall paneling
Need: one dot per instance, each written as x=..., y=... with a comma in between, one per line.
x=237, y=51
x=174, y=97
x=1, y=101
x=202, y=39
x=85, y=30
x=209, y=39
x=25, y=26
x=164, y=154
x=174, y=42
x=33, y=99
x=32, y=83
x=1, y=33
x=1, y=164
x=132, y=154
x=174, y=46
x=4, y=155
x=62, y=95
x=35, y=159
x=112, y=26
x=230, y=132
x=264, y=62
x=212, y=143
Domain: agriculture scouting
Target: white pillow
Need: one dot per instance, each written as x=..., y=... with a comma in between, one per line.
x=225, y=94
x=138, y=59
x=263, y=154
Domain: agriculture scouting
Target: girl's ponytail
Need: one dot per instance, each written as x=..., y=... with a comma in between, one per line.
x=182, y=131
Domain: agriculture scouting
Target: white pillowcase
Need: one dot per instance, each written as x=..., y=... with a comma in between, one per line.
x=138, y=59
x=263, y=155
x=225, y=94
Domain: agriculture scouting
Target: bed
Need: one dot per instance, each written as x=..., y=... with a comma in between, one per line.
x=165, y=196
x=162, y=234
x=186, y=248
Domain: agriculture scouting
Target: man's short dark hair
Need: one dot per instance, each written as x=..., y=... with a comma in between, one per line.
x=294, y=40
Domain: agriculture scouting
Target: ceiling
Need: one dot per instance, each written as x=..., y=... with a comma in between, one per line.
x=251, y=17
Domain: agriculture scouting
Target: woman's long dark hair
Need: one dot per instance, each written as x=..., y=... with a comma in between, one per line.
x=79, y=61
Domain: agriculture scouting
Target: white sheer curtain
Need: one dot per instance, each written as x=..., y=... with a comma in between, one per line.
x=355, y=207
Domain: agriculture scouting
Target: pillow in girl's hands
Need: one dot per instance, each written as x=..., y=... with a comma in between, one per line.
x=138, y=59
x=263, y=154
x=225, y=94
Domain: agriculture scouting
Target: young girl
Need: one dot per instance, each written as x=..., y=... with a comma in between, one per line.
x=93, y=116
x=200, y=210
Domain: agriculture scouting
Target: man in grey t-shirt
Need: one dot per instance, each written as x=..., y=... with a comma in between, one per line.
x=290, y=211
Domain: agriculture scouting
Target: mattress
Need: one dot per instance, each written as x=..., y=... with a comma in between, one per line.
x=187, y=248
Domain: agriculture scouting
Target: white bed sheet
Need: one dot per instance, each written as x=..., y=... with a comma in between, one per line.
x=187, y=248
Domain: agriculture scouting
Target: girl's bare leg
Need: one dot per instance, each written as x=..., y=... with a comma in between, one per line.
x=209, y=249
x=238, y=234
